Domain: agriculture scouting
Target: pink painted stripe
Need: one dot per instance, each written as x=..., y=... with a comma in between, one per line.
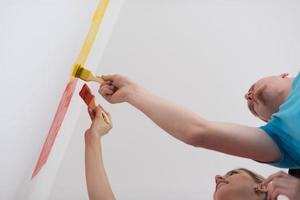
x=56, y=124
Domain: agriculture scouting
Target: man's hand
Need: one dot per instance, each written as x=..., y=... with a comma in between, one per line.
x=282, y=183
x=117, y=88
x=99, y=126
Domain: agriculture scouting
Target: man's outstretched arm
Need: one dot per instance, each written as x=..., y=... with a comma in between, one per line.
x=189, y=127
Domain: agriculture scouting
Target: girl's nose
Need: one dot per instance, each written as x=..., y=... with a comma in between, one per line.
x=218, y=178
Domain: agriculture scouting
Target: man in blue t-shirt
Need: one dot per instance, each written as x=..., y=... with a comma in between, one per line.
x=274, y=99
x=278, y=103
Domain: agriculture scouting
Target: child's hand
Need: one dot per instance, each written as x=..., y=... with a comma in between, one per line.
x=99, y=126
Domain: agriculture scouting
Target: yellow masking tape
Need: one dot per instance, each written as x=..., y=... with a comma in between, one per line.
x=91, y=36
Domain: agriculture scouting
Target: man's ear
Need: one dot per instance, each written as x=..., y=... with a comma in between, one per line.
x=284, y=75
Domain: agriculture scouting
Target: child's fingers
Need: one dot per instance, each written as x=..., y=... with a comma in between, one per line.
x=98, y=119
x=106, y=118
x=101, y=107
x=95, y=113
x=91, y=113
x=98, y=112
x=105, y=114
x=99, y=115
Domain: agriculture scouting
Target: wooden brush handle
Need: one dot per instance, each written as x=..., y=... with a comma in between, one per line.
x=105, y=117
x=93, y=105
x=97, y=79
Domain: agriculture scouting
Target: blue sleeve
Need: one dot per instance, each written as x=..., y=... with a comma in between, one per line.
x=286, y=161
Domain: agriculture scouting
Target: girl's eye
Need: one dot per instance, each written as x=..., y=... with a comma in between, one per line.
x=232, y=173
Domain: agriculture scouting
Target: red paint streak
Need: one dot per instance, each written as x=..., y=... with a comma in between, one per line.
x=56, y=124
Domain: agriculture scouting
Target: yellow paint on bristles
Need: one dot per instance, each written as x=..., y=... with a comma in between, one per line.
x=81, y=72
x=75, y=69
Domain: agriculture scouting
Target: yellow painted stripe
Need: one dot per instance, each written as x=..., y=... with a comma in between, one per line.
x=91, y=36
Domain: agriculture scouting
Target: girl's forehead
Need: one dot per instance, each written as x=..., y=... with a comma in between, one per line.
x=238, y=171
x=234, y=171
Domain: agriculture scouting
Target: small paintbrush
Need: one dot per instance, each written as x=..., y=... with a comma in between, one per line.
x=87, y=96
x=85, y=74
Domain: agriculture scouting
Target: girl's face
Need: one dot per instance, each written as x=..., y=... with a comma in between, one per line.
x=235, y=185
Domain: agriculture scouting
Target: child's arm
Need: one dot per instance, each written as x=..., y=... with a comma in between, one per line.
x=97, y=181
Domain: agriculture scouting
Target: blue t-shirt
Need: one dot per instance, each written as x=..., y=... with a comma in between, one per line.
x=284, y=128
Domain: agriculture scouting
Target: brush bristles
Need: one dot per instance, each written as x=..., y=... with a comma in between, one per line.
x=86, y=94
x=82, y=73
x=75, y=69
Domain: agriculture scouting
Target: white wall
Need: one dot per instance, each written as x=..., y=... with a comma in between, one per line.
x=39, y=44
x=201, y=54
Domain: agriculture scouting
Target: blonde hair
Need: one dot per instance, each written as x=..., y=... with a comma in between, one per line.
x=256, y=177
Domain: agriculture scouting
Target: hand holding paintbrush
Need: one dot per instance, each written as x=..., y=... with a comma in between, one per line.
x=87, y=96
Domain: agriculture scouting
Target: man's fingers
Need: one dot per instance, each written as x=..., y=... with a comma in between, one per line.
x=100, y=79
x=106, y=90
x=108, y=77
x=116, y=80
x=108, y=85
x=106, y=95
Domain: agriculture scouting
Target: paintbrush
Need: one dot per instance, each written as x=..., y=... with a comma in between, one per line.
x=87, y=96
x=85, y=74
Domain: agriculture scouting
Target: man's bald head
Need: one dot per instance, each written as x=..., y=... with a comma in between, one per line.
x=266, y=95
